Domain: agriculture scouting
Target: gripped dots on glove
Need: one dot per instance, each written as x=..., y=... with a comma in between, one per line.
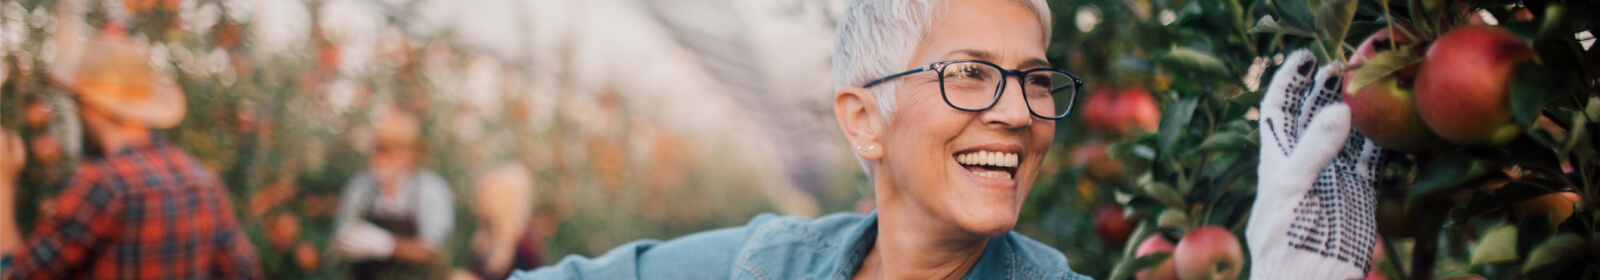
x=1313, y=215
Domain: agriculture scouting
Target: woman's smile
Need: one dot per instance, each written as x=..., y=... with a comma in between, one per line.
x=991, y=165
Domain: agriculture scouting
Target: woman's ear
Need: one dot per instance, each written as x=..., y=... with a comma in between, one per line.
x=856, y=109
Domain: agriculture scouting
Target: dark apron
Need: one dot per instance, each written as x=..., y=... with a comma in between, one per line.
x=403, y=225
x=530, y=254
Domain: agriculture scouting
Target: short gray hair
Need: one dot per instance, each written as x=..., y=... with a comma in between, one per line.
x=876, y=38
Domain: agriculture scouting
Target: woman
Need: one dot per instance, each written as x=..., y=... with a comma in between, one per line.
x=952, y=145
x=506, y=239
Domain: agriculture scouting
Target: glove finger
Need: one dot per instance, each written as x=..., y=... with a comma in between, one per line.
x=1326, y=89
x=1323, y=140
x=1282, y=103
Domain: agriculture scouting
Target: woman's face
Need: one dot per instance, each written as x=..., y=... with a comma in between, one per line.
x=926, y=136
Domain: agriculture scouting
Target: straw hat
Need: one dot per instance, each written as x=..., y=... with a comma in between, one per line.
x=113, y=76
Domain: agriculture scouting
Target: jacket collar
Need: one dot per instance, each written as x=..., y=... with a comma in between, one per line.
x=998, y=262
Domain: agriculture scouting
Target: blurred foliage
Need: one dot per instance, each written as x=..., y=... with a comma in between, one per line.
x=285, y=130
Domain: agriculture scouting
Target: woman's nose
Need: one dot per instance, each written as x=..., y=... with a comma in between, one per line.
x=1011, y=111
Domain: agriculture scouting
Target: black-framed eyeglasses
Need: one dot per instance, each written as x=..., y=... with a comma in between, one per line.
x=976, y=85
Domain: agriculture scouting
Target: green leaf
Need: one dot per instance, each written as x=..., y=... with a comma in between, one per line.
x=1557, y=249
x=1294, y=13
x=1122, y=197
x=1534, y=86
x=1174, y=120
x=1268, y=25
x=1360, y=30
x=1172, y=217
x=1445, y=173
x=1225, y=141
x=1128, y=267
x=1249, y=98
x=1532, y=230
x=1383, y=65
x=1186, y=59
x=1333, y=20
x=1593, y=110
x=1134, y=239
x=1498, y=246
x=1554, y=42
x=1165, y=194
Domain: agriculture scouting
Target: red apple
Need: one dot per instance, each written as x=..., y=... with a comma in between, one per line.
x=306, y=256
x=1378, y=257
x=1100, y=109
x=1121, y=112
x=1521, y=14
x=1383, y=110
x=36, y=114
x=1209, y=252
x=1558, y=205
x=283, y=231
x=1375, y=274
x=1463, y=87
x=1110, y=225
x=1139, y=111
x=1163, y=271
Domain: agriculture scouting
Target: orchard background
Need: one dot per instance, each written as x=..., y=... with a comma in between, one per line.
x=643, y=120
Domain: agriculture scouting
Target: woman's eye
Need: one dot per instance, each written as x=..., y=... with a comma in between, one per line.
x=964, y=71
x=1038, y=80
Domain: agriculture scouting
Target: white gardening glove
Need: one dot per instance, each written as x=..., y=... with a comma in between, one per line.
x=1313, y=215
x=364, y=241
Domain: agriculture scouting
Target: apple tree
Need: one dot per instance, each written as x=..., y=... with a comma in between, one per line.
x=1489, y=107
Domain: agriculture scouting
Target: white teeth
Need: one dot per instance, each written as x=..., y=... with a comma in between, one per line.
x=994, y=174
x=990, y=158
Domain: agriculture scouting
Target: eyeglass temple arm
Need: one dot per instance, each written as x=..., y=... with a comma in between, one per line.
x=896, y=75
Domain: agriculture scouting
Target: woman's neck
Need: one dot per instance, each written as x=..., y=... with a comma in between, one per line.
x=911, y=244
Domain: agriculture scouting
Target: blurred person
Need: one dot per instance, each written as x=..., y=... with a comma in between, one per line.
x=505, y=240
x=136, y=207
x=952, y=147
x=394, y=216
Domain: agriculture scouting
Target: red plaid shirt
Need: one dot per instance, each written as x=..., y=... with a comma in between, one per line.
x=147, y=212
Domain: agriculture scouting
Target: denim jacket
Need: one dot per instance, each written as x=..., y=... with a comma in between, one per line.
x=773, y=247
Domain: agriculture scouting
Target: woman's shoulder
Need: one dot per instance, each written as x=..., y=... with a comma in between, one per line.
x=712, y=254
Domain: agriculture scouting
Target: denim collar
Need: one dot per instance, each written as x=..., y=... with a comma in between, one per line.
x=841, y=255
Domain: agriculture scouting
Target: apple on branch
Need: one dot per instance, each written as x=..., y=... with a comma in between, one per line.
x=1463, y=87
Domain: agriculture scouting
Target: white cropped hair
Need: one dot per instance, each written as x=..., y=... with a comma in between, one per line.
x=876, y=38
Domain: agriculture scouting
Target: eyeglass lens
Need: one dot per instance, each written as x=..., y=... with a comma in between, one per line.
x=972, y=86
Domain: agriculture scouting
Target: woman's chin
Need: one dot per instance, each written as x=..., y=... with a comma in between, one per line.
x=988, y=223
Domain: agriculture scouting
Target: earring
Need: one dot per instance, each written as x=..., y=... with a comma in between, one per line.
x=869, y=148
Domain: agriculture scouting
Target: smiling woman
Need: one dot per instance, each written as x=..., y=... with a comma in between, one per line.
x=924, y=91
